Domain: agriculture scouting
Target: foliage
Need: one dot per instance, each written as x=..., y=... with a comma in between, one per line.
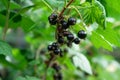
x=26, y=32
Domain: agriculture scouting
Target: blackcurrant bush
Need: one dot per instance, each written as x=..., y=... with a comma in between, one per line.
x=71, y=21
x=70, y=37
x=76, y=41
x=50, y=47
x=82, y=34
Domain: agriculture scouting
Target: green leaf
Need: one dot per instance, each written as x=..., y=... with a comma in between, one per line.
x=99, y=41
x=14, y=5
x=112, y=8
x=82, y=62
x=27, y=78
x=110, y=35
x=27, y=24
x=94, y=12
x=5, y=49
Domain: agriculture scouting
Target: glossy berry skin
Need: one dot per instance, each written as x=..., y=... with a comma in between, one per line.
x=57, y=51
x=53, y=19
x=52, y=22
x=64, y=25
x=76, y=41
x=56, y=67
x=50, y=47
x=71, y=21
x=82, y=34
x=61, y=40
x=53, y=16
x=55, y=44
x=70, y=37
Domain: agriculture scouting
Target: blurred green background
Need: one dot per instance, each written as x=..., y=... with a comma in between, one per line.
x=24, y=51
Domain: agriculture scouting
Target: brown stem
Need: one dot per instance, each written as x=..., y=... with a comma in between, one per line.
x=7, y=21
x=53, y=57
x=65, y=8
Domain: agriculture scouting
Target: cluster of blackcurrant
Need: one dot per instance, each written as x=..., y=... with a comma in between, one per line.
x=57, y=68
x=64, y=36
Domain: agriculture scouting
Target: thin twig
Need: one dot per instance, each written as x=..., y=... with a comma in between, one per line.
x=7, y=21
x=65, y=8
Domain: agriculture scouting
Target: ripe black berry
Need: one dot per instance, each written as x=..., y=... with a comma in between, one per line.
x=82, y=34
x=50, y=47
x=56, y=67
x=57, y=51
x=55, y=44
x=76, y=41
x=71, y=21
x=53, y=16
x=61, y=40
x=52, y=22
x=64, y=25
x=70, y=37
x=52, y=19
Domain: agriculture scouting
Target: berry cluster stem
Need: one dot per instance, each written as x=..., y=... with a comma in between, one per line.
x=65, y=8
x=7, y=21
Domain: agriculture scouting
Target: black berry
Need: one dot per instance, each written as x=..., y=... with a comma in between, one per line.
x=71, y=21
x=82, y=34
x=50, y=47
x=55, y=44
x=57, y=51
x=64, y=25
x=53, y=16
x=76, y=41
x=61, y=40
x=70, y=37
x=52, y=19
x=56, y=67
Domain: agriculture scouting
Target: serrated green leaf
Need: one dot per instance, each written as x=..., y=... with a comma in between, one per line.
x=110, y=35
x=99, y=41
x=82, y=62
x=112, y=8
x=5, y=49
x=94, y=12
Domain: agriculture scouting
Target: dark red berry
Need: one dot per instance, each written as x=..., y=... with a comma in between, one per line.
x=50, y=47
x=82, y=34
x=70, y=37
x=65, y=25
x=71, y=21
x=76, y=41
x=57, y=51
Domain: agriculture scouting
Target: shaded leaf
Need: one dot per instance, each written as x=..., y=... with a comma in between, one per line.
x=82, y=62
x=99, y=41
x=5, y=49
